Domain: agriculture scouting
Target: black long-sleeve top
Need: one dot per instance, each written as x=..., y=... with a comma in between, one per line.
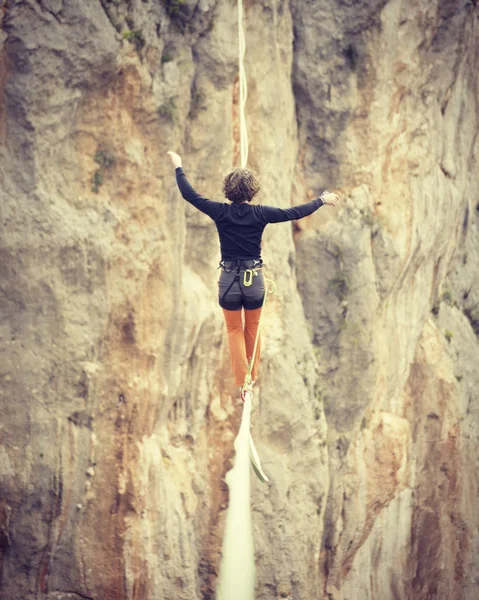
x=240, y=226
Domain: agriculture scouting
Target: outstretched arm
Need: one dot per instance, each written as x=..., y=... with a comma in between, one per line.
x=212, y=209
x=279, y=215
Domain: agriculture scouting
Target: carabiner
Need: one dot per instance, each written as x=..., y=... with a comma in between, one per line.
x=248, y=277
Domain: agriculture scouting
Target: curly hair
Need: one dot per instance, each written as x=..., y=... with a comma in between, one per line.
x=240, y=185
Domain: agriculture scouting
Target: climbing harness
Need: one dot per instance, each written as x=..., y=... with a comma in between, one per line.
x=230, y=285
x=249, y=268
x=242, y=263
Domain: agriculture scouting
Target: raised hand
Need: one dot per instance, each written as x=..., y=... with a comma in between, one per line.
x=175, y=159
x=329, y=198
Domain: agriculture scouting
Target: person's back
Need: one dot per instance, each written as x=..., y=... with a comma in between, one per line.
x=240, y=225
x=240, y=228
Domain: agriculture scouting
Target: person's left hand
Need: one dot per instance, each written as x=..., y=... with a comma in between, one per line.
x=175, y=159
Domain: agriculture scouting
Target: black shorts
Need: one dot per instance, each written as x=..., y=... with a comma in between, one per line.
x=239, y=295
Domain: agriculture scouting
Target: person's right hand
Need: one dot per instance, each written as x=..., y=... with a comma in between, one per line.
x=329, y=198
x=175, y=159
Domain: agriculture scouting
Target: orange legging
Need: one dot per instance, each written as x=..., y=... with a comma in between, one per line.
x=241, y=341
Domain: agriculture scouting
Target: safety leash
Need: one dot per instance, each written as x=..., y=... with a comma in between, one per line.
x=267, y=290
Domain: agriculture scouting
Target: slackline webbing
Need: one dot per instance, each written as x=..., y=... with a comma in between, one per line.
x=237, y=569
x=243, y=89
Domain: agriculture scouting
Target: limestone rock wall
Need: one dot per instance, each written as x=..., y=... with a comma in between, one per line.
x=117, y=407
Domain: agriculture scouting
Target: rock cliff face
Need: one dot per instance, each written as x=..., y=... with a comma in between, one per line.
x=118, y=411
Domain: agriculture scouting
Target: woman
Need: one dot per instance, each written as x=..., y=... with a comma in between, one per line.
x=240, y=228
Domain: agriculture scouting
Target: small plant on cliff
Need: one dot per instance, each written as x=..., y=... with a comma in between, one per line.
x=173, y=7
x=105, y=160
x=448, y=335
x=179, y=14
x=166, y=57
x=97, y=181
x=168, y=110
x=447, y=296
x=134, y=37
x=176, y=10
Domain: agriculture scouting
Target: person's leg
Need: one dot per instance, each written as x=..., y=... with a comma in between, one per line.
x=230, y=300
x=251, y=328
x=253, y=298
x=236, y=343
